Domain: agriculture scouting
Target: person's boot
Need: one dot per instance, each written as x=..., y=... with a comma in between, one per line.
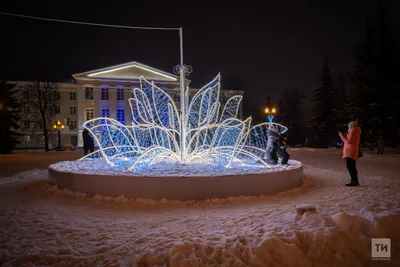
x=353, y=183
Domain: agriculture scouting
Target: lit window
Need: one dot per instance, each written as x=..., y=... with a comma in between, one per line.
x=72, y=110
x=120, y=93
x=105, y=95
x=89, y=93
x=121, y=115
x=105, y=112
x=89, y=113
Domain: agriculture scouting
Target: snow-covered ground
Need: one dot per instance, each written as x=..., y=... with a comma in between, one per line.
x=43, y=226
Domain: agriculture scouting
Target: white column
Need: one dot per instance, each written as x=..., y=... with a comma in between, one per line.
x=81, y=113
x=128, y=116
x=96, y=101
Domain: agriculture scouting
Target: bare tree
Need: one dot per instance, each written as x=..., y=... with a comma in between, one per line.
x=43, y=99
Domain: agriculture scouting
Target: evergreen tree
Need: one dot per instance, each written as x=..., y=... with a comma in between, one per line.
x=376, y=83
x=9, y=117
x=290, y=114
x=282, y=109
x=268, y=102
x=342, y=100
x=324, y=129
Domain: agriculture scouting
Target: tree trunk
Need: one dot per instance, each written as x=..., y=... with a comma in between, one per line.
x=46, y=137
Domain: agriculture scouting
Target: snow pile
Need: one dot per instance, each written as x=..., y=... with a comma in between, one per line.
x=24, y=177
x=168, y=169
x=125, y=202
x=327, y=245
x=45, y=226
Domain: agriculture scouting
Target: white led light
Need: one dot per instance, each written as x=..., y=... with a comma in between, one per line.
x=133, y=65
x=158, y=129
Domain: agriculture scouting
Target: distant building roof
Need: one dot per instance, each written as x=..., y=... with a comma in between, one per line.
x=127, y=71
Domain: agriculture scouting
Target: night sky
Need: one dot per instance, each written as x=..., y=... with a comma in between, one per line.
x=271, y=47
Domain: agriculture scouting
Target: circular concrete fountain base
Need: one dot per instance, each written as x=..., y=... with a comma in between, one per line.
x=178, y=187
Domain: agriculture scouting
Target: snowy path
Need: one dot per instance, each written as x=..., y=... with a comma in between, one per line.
x=18, y=162
x=43, y=226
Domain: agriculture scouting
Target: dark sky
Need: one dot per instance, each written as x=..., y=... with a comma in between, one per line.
x=273, y=46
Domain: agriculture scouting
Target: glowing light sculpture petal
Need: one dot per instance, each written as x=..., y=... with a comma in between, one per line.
x=231, y=109
x=114, y=139
x=201, y=103
x=158, y=130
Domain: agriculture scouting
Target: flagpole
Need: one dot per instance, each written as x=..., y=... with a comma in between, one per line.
x=183, y=100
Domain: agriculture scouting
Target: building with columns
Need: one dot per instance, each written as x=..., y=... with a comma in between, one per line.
x=98, y=93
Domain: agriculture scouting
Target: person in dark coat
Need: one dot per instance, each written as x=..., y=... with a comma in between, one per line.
x=88, y=143
x=282, y=145
x=272, y=146
x=380, y=145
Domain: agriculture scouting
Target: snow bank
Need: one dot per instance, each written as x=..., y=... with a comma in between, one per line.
x=322, y=246
x=24, y=177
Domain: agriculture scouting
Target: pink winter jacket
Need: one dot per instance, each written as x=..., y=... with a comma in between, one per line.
x=351, y=142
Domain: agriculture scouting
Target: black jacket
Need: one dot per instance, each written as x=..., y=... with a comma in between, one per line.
x=282, y=143
x=87, y=139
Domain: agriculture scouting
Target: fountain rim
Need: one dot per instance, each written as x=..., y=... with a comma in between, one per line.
x=178, y=187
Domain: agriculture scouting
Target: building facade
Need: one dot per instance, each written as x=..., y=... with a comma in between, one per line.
x=98, y=93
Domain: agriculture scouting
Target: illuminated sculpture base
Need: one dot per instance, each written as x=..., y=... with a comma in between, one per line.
x=174, y=182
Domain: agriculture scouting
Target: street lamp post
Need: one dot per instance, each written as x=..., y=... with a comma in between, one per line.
x=270, y=113
x=59, y=127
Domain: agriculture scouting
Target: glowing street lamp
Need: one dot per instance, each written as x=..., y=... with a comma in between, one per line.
x=270, y=113
x=59, y=127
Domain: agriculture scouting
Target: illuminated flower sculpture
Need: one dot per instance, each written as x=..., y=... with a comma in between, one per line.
x=200, y=130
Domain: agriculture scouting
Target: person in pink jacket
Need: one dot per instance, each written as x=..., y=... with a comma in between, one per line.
x=350, y=151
